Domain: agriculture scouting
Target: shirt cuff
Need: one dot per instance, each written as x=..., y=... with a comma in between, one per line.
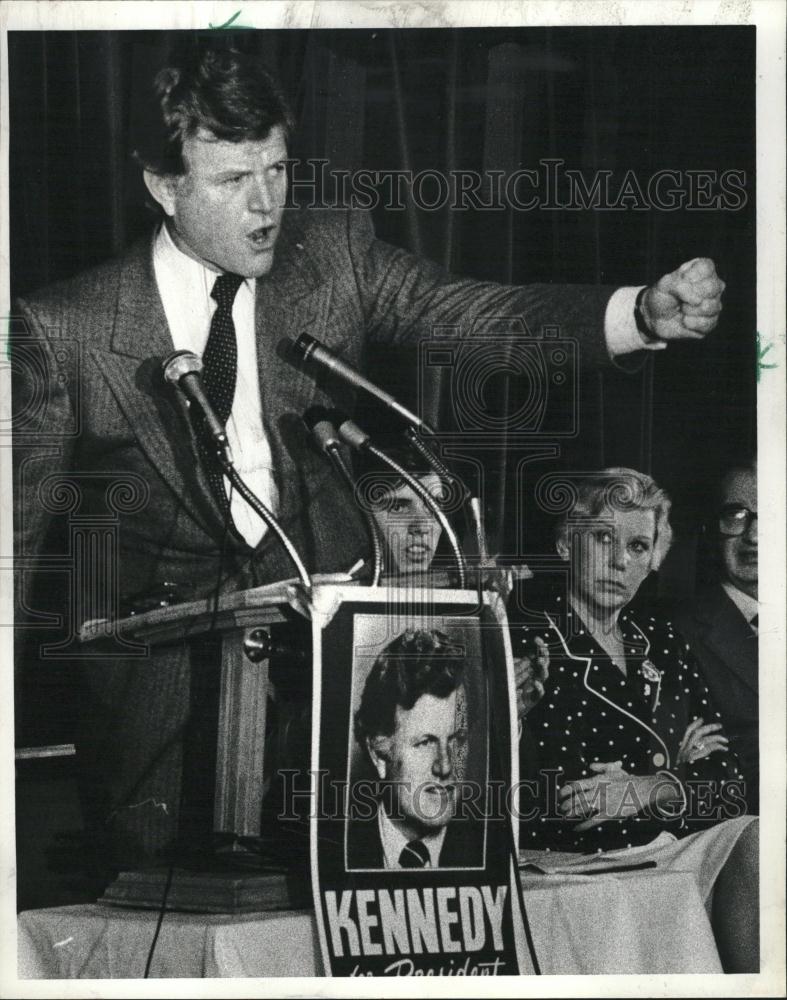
x=620, y=328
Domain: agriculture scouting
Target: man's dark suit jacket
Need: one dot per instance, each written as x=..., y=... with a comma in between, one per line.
x=331, y=278
x=463, y=846
x=726, y=648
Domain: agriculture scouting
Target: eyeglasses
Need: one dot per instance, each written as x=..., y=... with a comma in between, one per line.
x=735, y=519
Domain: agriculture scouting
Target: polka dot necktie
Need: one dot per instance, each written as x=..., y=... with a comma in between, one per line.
x=220, y=373
x=221, y=351
x=415, y=854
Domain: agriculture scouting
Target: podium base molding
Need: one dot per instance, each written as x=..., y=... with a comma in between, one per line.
x=207, y=892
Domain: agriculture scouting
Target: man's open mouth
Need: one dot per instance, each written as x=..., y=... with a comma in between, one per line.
x=262, y=237
x=444, y=791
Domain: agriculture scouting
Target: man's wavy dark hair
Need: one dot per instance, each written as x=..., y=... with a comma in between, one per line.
x=228, y=93
x=415, y=663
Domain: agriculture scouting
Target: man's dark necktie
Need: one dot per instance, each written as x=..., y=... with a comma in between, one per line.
x=415, y=854
x=219, y=375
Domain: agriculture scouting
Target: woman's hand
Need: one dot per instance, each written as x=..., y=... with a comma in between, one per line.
x=530, y=674
x=610, y=794
x=613, y=793
x=701, y=740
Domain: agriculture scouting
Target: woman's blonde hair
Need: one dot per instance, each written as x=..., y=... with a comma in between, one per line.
x=618, y=488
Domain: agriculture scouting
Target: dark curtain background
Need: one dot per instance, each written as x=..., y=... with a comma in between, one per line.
x=482, y=99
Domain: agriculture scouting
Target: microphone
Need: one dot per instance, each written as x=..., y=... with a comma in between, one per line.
x=319, y=422
x=182, y=369
x=356, y=438
x=311, y=351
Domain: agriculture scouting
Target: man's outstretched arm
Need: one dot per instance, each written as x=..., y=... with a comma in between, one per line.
x=406, y=296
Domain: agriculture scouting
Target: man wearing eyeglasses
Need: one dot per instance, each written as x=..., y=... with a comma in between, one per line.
x=722, y=624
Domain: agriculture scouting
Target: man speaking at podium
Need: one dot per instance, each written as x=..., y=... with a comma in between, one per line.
x=229, y=274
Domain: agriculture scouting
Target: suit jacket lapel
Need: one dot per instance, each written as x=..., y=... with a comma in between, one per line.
x=579, y=649
x=293, y=299
x=729, y=635
x=139, y=342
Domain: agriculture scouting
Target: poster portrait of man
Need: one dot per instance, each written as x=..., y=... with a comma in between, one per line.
x=412, y=726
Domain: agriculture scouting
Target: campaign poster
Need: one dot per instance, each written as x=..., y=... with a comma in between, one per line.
x=412, y=768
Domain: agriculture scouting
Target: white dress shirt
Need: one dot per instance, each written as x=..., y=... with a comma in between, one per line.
x=185, y=285
x=394, y=842
x=620, y=327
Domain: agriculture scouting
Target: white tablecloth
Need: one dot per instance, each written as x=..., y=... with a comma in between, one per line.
x=643, y=922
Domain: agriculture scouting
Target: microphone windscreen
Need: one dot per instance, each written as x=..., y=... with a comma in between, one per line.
x=180, y=363
x=320, y=422
x=352, y=434
x=325, y=435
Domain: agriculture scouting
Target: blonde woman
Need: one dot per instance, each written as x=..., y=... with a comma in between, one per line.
x=631, y=751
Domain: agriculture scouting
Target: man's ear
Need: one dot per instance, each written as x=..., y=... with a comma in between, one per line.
x=162, y=189
x=562, y=549
x=378, y=747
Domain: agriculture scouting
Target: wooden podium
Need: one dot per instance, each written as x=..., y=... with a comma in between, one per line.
x=247, y=622
x=244, y=621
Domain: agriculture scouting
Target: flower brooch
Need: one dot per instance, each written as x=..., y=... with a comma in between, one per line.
x=652, y=676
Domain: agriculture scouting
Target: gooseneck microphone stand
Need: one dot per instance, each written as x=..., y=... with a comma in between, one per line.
x=352, y=435
x=471, y=503
x=309, y=352
x=182, y=369
x=267, y=516
x=319, y=423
